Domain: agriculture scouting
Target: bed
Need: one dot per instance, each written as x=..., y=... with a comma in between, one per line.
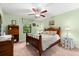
x=42, y=42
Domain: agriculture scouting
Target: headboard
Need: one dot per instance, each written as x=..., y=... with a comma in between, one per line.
x=53, y=29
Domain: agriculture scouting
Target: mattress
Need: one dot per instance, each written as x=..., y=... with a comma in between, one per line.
x=47, y=40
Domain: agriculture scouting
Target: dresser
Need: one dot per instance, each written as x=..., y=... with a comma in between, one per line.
x=6, y=48
x=14, y=31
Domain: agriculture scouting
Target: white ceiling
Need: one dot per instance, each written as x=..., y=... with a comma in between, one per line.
x=23, y=8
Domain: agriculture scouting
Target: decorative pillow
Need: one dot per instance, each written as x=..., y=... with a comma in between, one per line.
x=44, y=32
x=52, y=32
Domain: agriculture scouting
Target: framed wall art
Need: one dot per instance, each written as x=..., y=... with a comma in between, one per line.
x=27, y=29
x=13, y=22
x=51, y=22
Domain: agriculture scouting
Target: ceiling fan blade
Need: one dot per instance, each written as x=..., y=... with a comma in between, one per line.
x=42, y=15
x=34, y=9
x=31, y=14
x=44, y=11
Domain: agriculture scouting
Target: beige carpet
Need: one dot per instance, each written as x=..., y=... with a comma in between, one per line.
x=20, y=49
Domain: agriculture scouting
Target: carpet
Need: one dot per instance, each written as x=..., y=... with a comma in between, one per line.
x=21, y=49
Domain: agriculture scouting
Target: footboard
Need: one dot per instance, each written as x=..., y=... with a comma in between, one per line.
x=37, y=43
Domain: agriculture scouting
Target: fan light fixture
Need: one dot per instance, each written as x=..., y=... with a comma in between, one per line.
x=37, y=15
x=38, y=12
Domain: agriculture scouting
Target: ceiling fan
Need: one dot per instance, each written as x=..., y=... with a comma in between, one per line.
x=38, y=12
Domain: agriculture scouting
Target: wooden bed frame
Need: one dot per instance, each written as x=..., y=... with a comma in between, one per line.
x=37, y=43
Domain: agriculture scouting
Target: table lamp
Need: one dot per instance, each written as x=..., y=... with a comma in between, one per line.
x=67, y=30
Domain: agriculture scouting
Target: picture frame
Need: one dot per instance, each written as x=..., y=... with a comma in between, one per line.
x=51, y=22
x=27, y=29
x=13, y=22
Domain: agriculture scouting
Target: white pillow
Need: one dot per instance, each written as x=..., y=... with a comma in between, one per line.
x=45, y=32
x=50, y=32
x=53, y=32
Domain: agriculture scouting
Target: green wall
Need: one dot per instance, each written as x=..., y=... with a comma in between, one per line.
x=7, y=18
x=7, y=21
x=71, y=20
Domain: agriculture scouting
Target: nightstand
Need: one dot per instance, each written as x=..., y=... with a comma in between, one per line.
x=68, y=42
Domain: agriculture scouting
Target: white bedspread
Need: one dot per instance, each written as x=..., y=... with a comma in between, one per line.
x=47, y=40
x=5, y=37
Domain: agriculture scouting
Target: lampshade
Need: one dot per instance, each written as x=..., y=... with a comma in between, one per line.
x=67, y=29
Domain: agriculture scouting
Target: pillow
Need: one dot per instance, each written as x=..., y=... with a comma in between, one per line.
x=44, y=32
x=52, y=32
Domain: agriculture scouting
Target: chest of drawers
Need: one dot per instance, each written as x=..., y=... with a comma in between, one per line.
x=6, y=48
